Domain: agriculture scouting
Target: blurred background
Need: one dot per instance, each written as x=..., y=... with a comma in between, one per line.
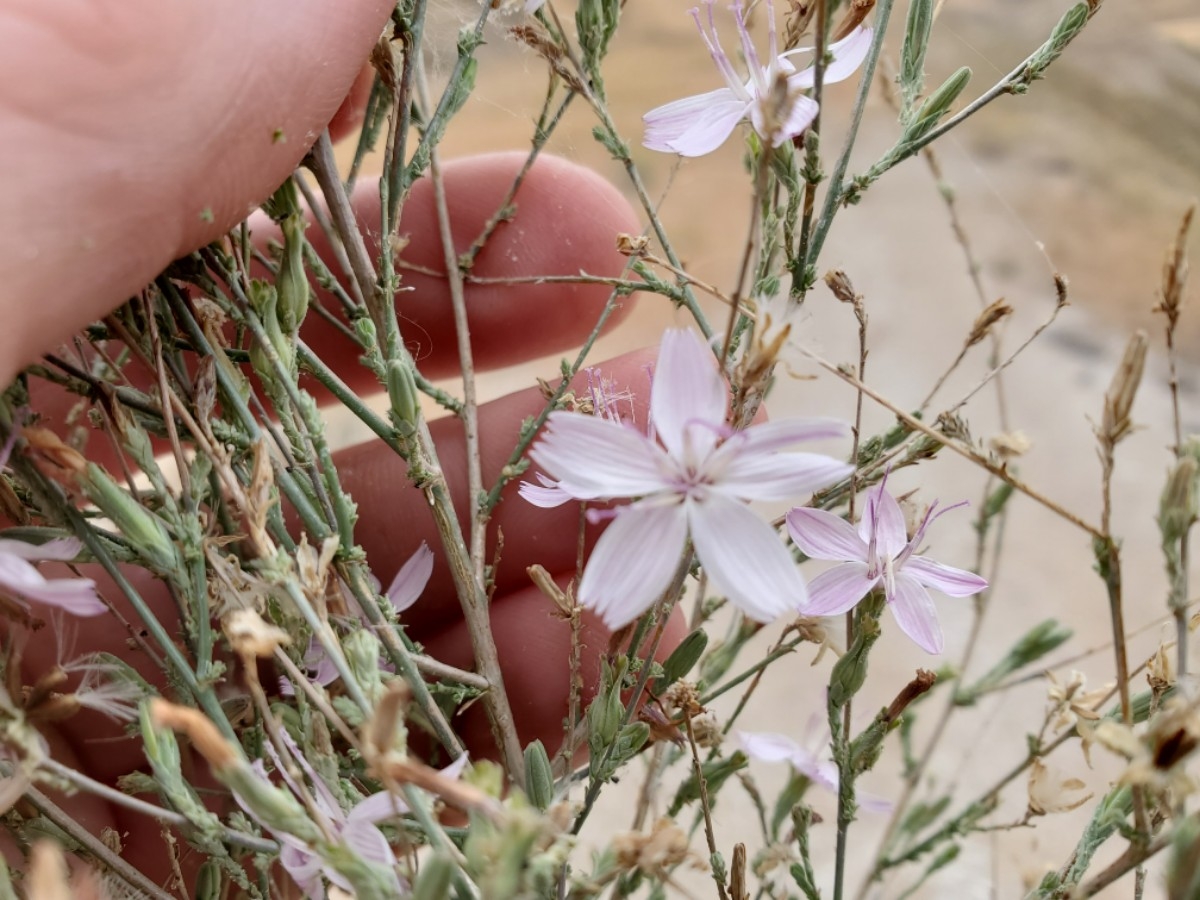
x=1087, y=176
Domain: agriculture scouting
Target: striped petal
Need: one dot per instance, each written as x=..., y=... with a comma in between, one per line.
x=779, y=476
x=915, y=613
x=837, y=590
x=633, y=561
x=745, y=559
x=594, y=458
x=406, y=587
x=687, y=399
x=822, y=535
x=947, y=579
x=700, y=128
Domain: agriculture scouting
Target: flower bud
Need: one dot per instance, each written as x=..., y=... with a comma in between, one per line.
x=681, y=660
x=936, y=105
x=292, y=282
x=1177, y=506
x=402, y=391
x=539, y=778
x=144, y=530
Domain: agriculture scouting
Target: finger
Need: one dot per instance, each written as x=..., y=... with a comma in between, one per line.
x=566, y=221
x=143, y=130
x=353, y=110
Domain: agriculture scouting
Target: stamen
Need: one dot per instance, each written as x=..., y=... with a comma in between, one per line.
x=756, y=69
x=713, y=43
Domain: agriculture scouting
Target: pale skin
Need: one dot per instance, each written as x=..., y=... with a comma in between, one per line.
x=133, y=132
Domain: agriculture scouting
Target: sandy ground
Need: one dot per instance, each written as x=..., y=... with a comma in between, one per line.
x=1086, y=176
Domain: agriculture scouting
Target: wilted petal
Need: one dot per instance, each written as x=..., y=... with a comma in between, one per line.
x=947, y=579
x=76, y=596
x=595, y=458
x=745, y=559
x=688, y=399
x=915, y=613
x=822, y=535
x=848, y=55
x=837, y=590
x=406, y=587
x=885, y=520
x=777, y=476
x=66, y=548
x=633, y=561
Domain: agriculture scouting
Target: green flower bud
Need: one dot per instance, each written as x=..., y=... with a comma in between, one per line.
x=292, y=283
x=402, y=391
x=936, y=105
x=681, y=660
x=362, y=649
x=144, y=530
x=539, y=777
x=208, y=881
x=1177, y=506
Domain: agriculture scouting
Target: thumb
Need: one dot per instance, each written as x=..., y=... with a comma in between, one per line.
x=138, y=131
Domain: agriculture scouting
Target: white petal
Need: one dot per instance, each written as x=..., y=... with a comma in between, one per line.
x=633, y=562
x=915, y=614
x=775, y=476
x=770, y=747
x=947, y=579
x=58, y=548
x=848, y=55
x=687, y=399
x=378, y=808
x=822, y=535
x=406, y=587
x=745, y=559
x=594, y=458
x=800, y=114
x=710, y=128
x=885, y=521
x=784, y=433
x=73, y=595
x=368, y=842
x=667, y=123
x=838, y=590
x=304, y=867
x=547, y=495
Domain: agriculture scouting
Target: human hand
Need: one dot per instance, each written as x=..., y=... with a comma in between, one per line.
x=105, y=207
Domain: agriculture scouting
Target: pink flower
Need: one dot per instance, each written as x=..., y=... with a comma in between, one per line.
x=879, y=552
x=357, y=829
x=697, y=125
x=810, y=759
x=691, y=481
x=403, y=592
